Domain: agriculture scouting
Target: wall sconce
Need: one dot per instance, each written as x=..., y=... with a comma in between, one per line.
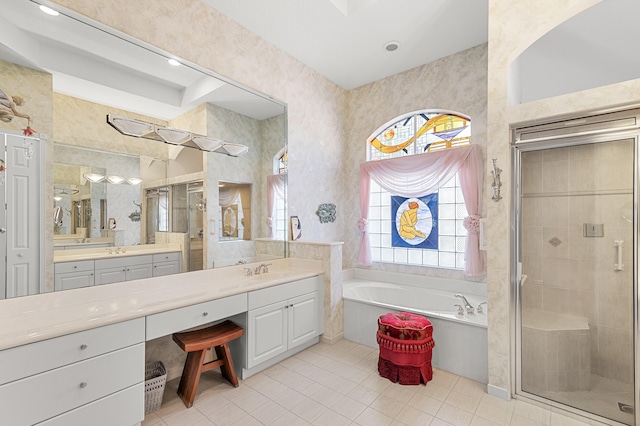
x=495, y=171
x=141, y=129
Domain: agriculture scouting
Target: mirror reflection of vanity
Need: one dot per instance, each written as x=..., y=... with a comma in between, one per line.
x=161, y=194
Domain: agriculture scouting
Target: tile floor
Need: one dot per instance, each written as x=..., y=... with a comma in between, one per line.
x=339, y=385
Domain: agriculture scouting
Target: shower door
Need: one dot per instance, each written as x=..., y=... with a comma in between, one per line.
x=575, y=282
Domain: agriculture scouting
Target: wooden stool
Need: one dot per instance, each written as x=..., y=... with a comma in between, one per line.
x=197, y=343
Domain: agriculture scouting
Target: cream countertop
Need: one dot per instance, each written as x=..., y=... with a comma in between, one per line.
x=30, y=319
x=103, y=253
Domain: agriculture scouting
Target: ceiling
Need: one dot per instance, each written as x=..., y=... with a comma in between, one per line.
x=91, y=64
x=341, y=39
x=344, y=40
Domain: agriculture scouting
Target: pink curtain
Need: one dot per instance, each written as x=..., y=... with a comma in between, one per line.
x=275, y=188
x=418, y=175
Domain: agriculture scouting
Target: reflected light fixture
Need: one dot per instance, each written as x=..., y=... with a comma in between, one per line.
x=116, y=180
x=57, y=198
x=49, y=11
x=94, y=177
x=134, y=181
x=141, y=129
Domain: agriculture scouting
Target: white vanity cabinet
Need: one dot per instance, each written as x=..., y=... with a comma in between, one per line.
x=77, y=379
x=120, y=269
x=282, y=317
x=85, y=273
x=70, y=275
x=166, y=264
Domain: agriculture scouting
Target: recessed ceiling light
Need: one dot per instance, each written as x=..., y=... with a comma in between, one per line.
x=49, y=11
x=391, y=46
x=174, y=62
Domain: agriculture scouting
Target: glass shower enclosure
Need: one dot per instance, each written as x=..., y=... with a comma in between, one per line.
x=575, y=281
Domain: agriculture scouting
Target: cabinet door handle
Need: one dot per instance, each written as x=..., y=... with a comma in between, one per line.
x=83, y=347
x=204, y=314
x=75, y=267
x=91, y=274
x=286, y=306
x=291, y=306
x=83, y=385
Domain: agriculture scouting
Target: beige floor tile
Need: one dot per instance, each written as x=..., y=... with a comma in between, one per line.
x=309, y=410
x=425, y=403
x=413, y=417
x=363, y=395
x=269, y=412
x=326, y=396
x=349, y=408
x=371, y=417
x=479, y=421
x=388, y=406
x=331, y=418
x=494, y=413
x=290, y=419
x=533, y=412
x=340, y=385
x=463, y=401
x=454, y=415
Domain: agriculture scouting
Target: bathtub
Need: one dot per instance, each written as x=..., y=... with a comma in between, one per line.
x=461, y=340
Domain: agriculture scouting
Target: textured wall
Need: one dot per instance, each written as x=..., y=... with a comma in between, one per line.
x=513, y=26
x=457, y=83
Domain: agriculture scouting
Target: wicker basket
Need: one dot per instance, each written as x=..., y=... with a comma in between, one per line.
x=155, y=378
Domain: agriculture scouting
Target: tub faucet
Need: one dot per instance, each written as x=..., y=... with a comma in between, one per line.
x=466, y=303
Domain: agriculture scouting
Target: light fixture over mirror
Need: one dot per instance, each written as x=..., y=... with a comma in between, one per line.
x=141, y=129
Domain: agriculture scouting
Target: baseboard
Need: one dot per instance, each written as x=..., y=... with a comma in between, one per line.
x=332, y=341
x=498, y=392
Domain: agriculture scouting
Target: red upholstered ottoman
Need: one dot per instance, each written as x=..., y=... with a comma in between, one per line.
x=406, y=345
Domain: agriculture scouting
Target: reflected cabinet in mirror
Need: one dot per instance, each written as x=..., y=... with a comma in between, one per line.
x=159, y=197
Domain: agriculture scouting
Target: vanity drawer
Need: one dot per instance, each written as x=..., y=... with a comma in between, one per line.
x=169, y=322
x=46, y=355
x=278, y=293
x=122, y=408
x=166, y=257
x=82, y=265
x=43, y=396
x=123, y=261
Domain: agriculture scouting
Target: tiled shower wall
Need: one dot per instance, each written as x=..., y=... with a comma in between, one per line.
x=564, y=188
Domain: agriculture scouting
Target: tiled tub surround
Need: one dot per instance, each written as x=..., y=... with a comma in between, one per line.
x=460, y=340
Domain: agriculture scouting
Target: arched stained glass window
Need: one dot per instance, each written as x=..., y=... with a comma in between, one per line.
x=419, y=132
x=426, y=230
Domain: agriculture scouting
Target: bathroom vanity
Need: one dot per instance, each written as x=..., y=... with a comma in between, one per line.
x=74, y=357
x=88, y=267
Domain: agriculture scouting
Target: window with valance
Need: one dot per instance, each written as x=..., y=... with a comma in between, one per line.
x=420, y=193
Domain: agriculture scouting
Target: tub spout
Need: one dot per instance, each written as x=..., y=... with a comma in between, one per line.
x=467, y=305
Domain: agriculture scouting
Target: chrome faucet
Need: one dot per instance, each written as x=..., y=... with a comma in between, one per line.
x=263, y=267
x=249, y=272
x=479, y=308
x=467, y=305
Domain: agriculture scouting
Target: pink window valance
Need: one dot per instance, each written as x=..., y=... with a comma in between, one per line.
x=421, y=174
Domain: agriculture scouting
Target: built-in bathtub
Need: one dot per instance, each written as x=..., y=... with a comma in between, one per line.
x=460, y=340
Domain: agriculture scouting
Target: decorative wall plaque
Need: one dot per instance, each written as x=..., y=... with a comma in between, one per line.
x=327, y=212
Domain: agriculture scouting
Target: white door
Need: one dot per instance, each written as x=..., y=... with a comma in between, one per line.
x=22, y=218
x=268, y=333
x=303, y=319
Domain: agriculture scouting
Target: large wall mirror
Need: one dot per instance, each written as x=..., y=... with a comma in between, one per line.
x=163, y=207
